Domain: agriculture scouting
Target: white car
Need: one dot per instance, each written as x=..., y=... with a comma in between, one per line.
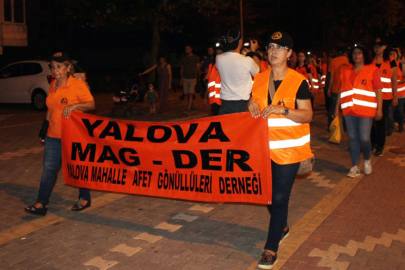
x=28, y=82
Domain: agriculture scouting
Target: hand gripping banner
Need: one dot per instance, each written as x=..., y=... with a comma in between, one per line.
x=214, y=159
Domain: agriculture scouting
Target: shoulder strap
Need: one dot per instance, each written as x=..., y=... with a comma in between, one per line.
x=272, y=90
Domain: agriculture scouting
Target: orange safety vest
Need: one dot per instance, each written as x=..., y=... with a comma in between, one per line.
x=289, y=141
x=323, y=76
x=386, y=74
x=401, y=87
x=303, y=70
x=359, y=99
x=263, y=66
x=214, y=85
x=315, y=80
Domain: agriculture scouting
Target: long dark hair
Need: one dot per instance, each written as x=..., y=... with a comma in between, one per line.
x=366, y=54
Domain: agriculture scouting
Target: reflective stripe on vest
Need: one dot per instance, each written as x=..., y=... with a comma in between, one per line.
x=359, y=99
x=214, y=85
x=386, y=73
x=401, y=90
x=401, y=87
x=289, y=142
x=323, y=80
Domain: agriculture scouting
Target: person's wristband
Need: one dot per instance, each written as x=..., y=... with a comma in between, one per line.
x=74, y=107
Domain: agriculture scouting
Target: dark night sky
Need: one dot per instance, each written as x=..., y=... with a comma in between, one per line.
x=119, y=47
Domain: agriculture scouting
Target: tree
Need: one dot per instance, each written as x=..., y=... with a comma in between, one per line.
x=160, y=15
x=360, y=21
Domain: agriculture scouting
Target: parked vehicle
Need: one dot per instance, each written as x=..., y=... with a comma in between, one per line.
x=28, y=82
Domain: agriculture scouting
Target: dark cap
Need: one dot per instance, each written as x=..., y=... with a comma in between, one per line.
x=380, y=42
x=60, y=57
x=281, y=38
x=360, y=46
x=232, y=39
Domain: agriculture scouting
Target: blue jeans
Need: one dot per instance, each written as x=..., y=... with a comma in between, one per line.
x=52, y=163
x=283, y=178
x=399, y=110
x=358, y=129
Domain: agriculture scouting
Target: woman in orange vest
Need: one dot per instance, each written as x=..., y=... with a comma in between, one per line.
x=361, y=102
x=315, y=72
x=305, y=70
x=399, y=110
x=286, y=105
x=389, y=75
x=66, y=94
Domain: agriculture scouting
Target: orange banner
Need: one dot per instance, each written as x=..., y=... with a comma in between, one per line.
x=216, y=159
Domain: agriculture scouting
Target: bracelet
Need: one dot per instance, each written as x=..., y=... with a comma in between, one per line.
x=74, y=107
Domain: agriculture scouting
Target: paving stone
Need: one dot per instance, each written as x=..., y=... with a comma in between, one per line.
x=204, y=209
x=148, y=237
x=168, y=227
x=100, y=263
x=182, y=216
x=127, y=250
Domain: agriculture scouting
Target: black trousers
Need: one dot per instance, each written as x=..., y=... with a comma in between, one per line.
x=232, y=106
x=378, y=128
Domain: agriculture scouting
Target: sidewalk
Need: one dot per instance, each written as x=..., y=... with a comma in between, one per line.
x=336, y=222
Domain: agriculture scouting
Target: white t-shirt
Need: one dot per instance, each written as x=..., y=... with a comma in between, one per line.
x=236, y=71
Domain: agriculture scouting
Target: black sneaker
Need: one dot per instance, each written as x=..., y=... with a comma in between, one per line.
x=182, y=96
x=266, y=261
x=378, y=152
x=285, y=234
x=389, y=132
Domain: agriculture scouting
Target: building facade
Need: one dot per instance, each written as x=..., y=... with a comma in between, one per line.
x=13, y=28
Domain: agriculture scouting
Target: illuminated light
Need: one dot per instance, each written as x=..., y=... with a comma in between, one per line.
x=217, y=44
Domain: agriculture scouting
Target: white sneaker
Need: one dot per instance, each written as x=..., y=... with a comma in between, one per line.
x=367, y=167
x=354, y=171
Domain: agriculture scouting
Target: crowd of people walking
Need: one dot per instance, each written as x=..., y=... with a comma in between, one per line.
x=272, y=82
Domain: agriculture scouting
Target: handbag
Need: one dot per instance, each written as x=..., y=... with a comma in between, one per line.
x=336, y=130
x=306, y=166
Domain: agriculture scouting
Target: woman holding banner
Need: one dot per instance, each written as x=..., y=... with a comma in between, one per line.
x=282, y=96
x=66, y=94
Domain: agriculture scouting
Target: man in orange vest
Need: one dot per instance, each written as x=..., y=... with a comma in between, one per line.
x=389, y=76
x=214, y=85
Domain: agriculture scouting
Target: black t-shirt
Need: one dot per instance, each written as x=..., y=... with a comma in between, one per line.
x=302, y=93
x=392, y=64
